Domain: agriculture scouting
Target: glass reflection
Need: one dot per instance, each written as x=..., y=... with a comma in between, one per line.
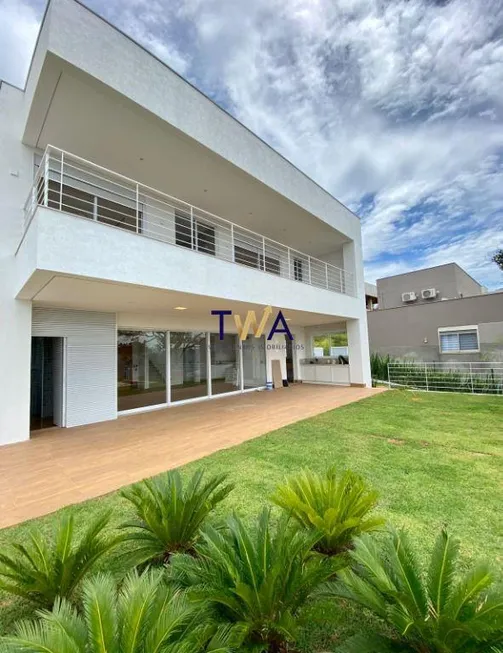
x=254, y=362
x=141, y=369
x=225, y=376
x=189, y=376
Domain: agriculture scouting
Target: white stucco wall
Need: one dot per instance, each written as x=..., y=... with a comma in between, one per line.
x=60, y=243
x=15, y=315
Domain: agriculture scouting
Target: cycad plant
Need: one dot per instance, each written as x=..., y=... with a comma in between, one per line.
x=337, y=509
x=169, y=514
x=438, y=610
x=43, y=568
x=143, y=615
x=255, y=580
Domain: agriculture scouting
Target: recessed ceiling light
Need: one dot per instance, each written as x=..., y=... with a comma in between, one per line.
x=180, y=308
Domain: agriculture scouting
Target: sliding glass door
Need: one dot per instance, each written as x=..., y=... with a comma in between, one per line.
x=225, y=371
x=189, y=365
x=254, y=362
x=199, y=365
x=141, y=369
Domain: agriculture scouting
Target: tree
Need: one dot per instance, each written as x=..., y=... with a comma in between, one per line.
x=498, y=258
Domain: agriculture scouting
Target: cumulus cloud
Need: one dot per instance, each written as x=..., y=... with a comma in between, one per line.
x=395, y=107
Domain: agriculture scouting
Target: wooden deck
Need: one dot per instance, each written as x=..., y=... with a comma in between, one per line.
x=59, y=467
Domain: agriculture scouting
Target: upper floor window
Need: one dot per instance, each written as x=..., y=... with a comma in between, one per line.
x=459, y=339
x=199, y=235
x=249, y=255
x=297, y=269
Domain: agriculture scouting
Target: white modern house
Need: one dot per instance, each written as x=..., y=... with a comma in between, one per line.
x=132, y=207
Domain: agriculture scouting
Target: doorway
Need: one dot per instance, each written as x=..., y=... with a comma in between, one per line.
x=290, y=376
x=47, y=391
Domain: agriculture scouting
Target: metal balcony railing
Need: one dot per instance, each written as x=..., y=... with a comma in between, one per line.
x=66, y=182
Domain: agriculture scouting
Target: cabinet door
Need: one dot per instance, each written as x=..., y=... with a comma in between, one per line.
x=308, y=372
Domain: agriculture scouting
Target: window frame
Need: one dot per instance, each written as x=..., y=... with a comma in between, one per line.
x=189, y=233
x=457, y=330
x=327, y=334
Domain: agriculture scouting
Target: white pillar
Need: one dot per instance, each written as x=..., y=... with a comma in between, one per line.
x=358, y=342
x=15, y=354
x=16, y=178
x=358, y=345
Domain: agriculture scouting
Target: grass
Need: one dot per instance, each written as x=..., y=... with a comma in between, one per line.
x=436, y=460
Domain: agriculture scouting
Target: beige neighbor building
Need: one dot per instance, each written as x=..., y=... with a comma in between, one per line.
x=437, y=314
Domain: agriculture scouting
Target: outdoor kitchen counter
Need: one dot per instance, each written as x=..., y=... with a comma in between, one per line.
x=325, y=373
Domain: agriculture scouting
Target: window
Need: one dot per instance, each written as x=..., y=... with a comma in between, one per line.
x=297, y=269
x=255, y=259
x=203, y=238
x=330, y=344
x=87, y=205
x=461, y=339
x=183, y=229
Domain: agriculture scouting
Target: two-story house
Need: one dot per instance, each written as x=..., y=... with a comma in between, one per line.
x=132, y=207
x=438, y=314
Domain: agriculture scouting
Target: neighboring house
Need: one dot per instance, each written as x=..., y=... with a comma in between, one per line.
x=437, y=314
x=146, y=207
x=371, y=299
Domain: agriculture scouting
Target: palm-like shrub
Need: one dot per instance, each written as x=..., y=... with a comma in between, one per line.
x=438, y=610
x=169, y=515
x=43, y=568
x=256, y=580
x=144, y=615
x=337, y=509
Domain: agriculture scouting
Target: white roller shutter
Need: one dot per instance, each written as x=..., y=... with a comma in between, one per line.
x=91, y=374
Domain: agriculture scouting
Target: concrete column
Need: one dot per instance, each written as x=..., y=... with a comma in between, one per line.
x=16, y=177
x=358, y=344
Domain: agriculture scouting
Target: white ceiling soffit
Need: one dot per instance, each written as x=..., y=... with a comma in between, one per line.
x=85, y=294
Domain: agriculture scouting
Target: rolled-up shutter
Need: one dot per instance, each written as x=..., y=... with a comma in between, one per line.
x=91, y=375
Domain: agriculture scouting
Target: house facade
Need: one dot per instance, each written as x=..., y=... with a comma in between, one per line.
x=437, y=314
x=140, y=225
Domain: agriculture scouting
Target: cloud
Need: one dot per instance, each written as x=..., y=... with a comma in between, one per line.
x=19, y=25
x=394, y=107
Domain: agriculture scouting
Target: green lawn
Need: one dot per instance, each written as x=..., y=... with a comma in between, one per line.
x=435, y=459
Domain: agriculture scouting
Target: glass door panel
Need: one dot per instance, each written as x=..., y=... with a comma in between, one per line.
x=189, y=376
x=141, y=369
x=254, y=362
x=225, y=375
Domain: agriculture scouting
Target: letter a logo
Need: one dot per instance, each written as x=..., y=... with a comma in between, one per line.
x=251, y=322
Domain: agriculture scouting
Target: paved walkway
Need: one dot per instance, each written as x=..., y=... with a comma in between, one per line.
x=64, y=466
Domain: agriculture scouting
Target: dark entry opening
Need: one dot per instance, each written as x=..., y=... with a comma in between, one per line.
x=46, y=392
x=289, y=360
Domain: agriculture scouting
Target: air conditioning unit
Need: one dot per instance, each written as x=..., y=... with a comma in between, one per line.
x=409, y=296
x=429, y=293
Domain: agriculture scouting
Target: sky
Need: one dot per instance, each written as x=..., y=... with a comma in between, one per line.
x=394, y=106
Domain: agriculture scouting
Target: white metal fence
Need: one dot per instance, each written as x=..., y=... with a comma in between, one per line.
x=66, y=182
x=478, y=377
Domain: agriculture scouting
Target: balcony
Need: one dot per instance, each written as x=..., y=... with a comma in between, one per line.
x=70, y=184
